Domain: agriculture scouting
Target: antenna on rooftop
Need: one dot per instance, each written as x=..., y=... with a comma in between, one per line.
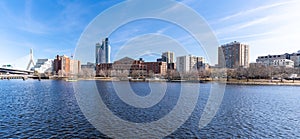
x=31, y=61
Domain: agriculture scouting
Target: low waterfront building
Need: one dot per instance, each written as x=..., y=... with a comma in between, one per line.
x=130, y=67
x=127, y=63
x=256, y=65
x=88, y=70
x=156, y=67
x=104, y=69
x=123, y=66
x=88, y=65
x=43, y=65
x=269, y=59
x=283, y=63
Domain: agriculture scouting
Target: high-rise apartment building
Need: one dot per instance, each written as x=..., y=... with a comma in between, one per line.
x=168, y=57
x=188, y=63
x=103, y=52
x=233, y=55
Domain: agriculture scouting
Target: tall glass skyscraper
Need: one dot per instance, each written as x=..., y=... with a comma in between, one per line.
x=103, y=52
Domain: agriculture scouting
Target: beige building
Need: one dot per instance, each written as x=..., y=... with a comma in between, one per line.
x=75, y=67
x=233, y=55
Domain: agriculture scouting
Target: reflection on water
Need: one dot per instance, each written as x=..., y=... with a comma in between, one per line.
x=49, y=109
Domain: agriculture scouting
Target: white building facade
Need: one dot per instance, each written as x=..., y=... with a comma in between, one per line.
x=269, y=59
x=283, y=63
x=43, y=65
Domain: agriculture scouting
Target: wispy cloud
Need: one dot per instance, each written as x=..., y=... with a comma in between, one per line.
x=240, y=26
x=254, y=10
x=243, y=37
x=163, y=30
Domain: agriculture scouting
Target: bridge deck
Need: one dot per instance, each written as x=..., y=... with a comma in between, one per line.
x=15, y=71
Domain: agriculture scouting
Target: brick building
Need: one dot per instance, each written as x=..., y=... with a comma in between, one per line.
x=130, y=66
x=61, y=65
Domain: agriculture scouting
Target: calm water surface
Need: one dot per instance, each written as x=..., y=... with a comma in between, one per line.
x=48, y=109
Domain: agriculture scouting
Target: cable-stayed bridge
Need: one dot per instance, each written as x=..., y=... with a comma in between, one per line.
x=10, y=69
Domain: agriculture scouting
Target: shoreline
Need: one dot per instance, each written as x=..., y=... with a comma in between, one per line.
x=231, y=81
x=208, y=80
x=273, y=83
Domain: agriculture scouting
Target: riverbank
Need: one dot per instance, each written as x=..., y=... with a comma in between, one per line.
x=231, y=81
x=262, y=82
x=203, y=80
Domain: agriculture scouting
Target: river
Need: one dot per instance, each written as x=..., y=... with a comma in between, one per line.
x=49, y=109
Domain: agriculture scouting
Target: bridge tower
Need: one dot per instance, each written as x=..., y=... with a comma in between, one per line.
x=31, y=61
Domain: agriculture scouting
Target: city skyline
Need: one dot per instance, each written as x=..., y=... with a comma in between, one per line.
x=260, y=24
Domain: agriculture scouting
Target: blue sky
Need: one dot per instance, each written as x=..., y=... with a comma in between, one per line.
x=52, y=27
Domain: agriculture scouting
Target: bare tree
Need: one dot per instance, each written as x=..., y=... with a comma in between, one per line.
x=87, y=73
x=101, y=73
x=151, y=74
x=135, y=73
x=230, y=74
x=173, y=75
